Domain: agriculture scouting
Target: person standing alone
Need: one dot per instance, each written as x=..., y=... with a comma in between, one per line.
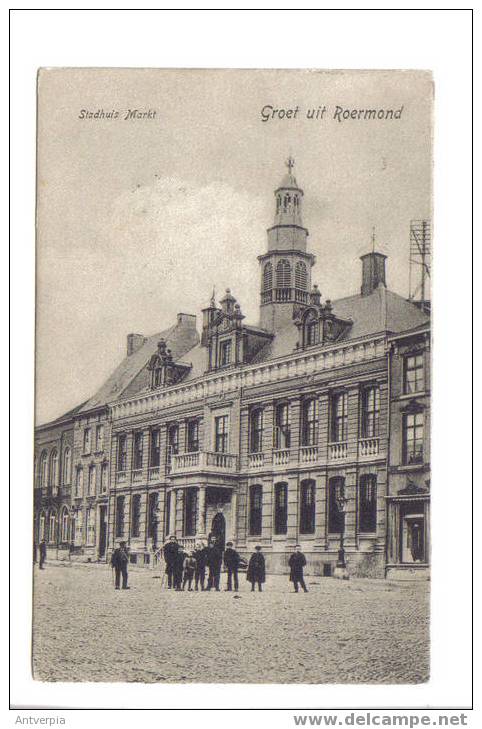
x=296, y=563
x=119, y=562
x=231, y=562
x=256, y=573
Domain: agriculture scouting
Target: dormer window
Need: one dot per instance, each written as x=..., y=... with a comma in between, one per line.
x=225, y=353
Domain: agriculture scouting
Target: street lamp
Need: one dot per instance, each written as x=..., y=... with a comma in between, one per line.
x=342, y=503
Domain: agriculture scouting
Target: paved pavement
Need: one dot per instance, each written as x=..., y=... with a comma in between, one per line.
x=368, y=631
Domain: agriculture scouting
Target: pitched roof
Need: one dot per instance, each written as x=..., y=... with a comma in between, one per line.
x=62, y=418
x=179, y=339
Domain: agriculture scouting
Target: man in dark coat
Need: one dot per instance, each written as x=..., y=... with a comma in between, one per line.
x=296, y=563
x=231, y=562
x=171, y=548
x=256, y=569
x=200, y=555
x=119, y=562
x=214, y=562
x=42, y=551
x=179, y=568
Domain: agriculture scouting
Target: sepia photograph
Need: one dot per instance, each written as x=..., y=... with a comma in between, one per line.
x=233, y=376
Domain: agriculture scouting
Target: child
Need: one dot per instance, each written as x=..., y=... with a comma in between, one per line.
x=189, y=569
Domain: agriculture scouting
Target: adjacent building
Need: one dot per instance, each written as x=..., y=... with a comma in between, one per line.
x=301, y=428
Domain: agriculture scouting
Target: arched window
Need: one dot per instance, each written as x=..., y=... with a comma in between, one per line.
x=256, y=431
x=301, y=276
x=307, y=507
x=54, y=471
x=268, y=277
x=336, y=518
x=64, y=525
x=283, y=274
x=67, y=469
x=367, y=503
x=43, y=470
x=52, y=526
x=311, y=334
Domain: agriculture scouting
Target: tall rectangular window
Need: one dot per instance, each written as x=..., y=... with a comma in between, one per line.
x=120, y=516
x=309, y=423
x=339, y=417
x=92, y=481
x=221, y=434
x=90, y=525
x=225, y=353
x=136, y=515
x=173, y=439
x=190, y=508
x=282, y=433
x=152, y=516
x=281, y=508
x=255, y=510
x=307, y=507
x=79, y=527
x=370, y=415
x=104, y=475
x=192, y=444
x=413, y=376
x=87, y=440
x=155, y=459
x=336, y=488
x=79, y=482
x=122, y=452
x=138, y=451
x=367, y=503
x=256, y=431
x=99, y=438
x=413, y=427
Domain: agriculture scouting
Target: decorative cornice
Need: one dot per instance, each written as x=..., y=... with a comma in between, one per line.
x=224, y=383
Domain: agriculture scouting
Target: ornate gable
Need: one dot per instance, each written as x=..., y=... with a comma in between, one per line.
x=316, y=322
x=164, y=371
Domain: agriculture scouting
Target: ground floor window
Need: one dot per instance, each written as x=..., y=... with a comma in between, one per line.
x=413, y=546
x=90, y=526
x=120, y=516
x=367, y=503
x=41, y=527
x=307, y=507
x=167, y=513
x=136, y=515
x=79, y=528
x=65, y=526
x=190, y=505
x=52, y=536
x=255, y=509
x=336, y=488
x=152, y=516
x=281, y=508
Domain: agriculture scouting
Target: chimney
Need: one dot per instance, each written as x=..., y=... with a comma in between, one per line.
x=134, y=342
x=373, y=272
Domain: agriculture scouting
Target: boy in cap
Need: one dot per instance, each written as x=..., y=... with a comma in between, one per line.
x=189, y=568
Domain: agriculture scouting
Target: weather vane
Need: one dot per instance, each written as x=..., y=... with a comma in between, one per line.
x=290, y=163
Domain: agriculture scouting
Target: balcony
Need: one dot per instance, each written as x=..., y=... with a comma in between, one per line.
x=337, y=451
x=368, y=447
x=137, y=475
x=255, y=460
x=203, y=461
x=308, y=454
x=281, y=457
x=121, y=476
x=154, y=473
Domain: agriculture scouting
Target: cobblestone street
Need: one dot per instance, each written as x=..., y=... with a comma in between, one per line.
x=368, y=631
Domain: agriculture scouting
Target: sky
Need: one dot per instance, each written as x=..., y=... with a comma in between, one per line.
x=138, y=220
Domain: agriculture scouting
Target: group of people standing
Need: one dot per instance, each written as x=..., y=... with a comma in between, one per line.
x=183, y=568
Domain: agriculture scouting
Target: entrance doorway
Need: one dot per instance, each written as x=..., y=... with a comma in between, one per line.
x=413, y=538
x=102, y=531
x=218, y=529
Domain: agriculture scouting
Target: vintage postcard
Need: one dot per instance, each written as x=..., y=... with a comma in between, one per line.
x=232, y=439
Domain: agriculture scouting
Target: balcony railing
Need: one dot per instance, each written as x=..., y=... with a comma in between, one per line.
x=337, y=451
x=256, y=460
x=281, y=457
x=137, y=474
x=154, y=473
x=368, y=447
x=205, y=461
x=308, y=454
x=121, y=476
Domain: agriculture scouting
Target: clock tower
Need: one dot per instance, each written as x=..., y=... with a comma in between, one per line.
x=286, y=267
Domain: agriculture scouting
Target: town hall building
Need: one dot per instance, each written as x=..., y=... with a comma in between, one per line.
x=309, y=426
